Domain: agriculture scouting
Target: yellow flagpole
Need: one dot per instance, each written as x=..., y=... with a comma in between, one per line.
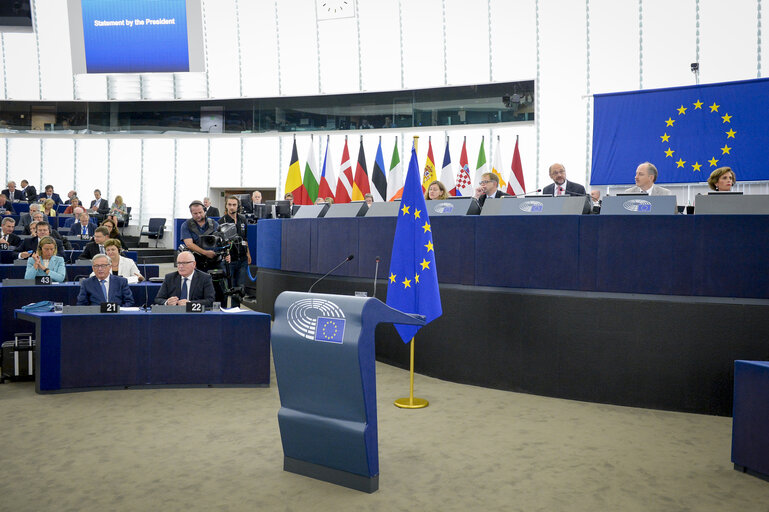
x=411, y=402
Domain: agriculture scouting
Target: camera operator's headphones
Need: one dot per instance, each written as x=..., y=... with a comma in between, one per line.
x=197, y=203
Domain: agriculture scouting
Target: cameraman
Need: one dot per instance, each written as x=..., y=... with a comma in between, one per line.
x=195, y=228
x=240, y=257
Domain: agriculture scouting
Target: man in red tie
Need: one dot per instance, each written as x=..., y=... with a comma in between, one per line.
x=561, y=187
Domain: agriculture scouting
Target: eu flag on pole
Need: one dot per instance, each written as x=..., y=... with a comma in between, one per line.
x=686, y=132
x=413, y=280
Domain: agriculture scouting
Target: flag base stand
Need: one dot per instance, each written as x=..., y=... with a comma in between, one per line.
x=410, y=402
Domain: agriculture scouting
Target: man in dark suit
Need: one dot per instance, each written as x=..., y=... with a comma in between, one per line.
x=40, y=230
x=103, y=286
x=12, y=194
x=8, y=238
x=95, y=246
x=560, y=186
x=26, y=217
x=99, y=205
x=39, y=217
x=212, y=212
x=70, y=195
x=29, y=191
x=248, y=205
x=6, y=208
x=489, y=187
x=186, y=285
x=84, y=227
x=49, y=194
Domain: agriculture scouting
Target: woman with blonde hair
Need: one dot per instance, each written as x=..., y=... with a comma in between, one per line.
x=49, y=208
x=119, y=211
x=45, y=262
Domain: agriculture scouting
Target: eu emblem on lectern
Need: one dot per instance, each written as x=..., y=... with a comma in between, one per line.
x=330, y=330
x=303, y=315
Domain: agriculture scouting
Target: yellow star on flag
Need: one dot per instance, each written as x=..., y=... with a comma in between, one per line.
x=725, y=150
x=680, y=163
x=406, y=283
x=416, y=213
x=425, y=264
x=426, y=227
x=416, y=278
x=713, y=162
x=665, y=137
x=698, y=105
x=405, y=209
x=714, y=107
x=681, y=110
x=726, y=117
x=669, y=153
x=392, y=278
x=697, y=166
x=669, y=122
x=730, y=134
x=429, y=246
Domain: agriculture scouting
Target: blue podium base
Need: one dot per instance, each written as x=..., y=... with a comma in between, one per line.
x=334, y=476
x=748, y=471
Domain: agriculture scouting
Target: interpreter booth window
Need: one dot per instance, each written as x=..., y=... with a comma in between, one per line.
x=443, y=106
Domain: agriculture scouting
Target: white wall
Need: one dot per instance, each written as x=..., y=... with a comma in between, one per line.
x=254, y=49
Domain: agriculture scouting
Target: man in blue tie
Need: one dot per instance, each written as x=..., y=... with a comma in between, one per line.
x=103, y=286
x=186, y=285
x=84, y=228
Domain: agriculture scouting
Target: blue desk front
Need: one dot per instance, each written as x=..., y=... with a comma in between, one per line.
x=667, y=255
x=150, y=349
x=14, y=297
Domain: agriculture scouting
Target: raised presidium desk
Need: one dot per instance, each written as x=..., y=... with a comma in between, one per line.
x=137, y=348
x=644, y=311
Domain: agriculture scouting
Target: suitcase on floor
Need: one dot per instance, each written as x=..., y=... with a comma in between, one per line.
x=18, y=358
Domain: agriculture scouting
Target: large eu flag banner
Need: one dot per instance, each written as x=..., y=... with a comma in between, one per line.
x=686, y=132
x=413, y=280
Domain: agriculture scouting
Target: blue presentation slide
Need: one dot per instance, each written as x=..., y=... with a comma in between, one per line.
x=136, y=36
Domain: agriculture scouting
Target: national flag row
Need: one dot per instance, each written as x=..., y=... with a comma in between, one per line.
x=386, y=184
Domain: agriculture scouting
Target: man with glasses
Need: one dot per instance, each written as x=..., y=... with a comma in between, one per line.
x=187, y=284
x=561, y=187
x=489, y=187
x=104, y=286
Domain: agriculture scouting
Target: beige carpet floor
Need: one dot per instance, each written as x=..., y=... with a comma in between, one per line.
x=471, y=449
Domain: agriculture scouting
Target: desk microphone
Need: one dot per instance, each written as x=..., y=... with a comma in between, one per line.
x=146, y=281
x=376, y=274
x=348, y=258
x=524, y=194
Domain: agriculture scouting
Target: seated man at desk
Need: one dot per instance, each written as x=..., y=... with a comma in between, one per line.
x=95, y=246
x=83, y=228
x=186, y=285
x=560, y=186
x=645, y=179
x=104, y=286
x=488, y=188
x=9, y=239
x=29, y=246
x=6, y=208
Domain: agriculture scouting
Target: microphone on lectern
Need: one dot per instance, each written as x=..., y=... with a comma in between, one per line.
x=348, y=258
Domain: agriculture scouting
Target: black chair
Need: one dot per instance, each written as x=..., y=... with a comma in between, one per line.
x=124, y=223
x=155, y=229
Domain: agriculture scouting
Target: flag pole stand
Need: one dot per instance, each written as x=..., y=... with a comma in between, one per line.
x=410, y=402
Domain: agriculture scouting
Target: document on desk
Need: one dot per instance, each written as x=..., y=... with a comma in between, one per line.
x=232, y=310
x=130, y=308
